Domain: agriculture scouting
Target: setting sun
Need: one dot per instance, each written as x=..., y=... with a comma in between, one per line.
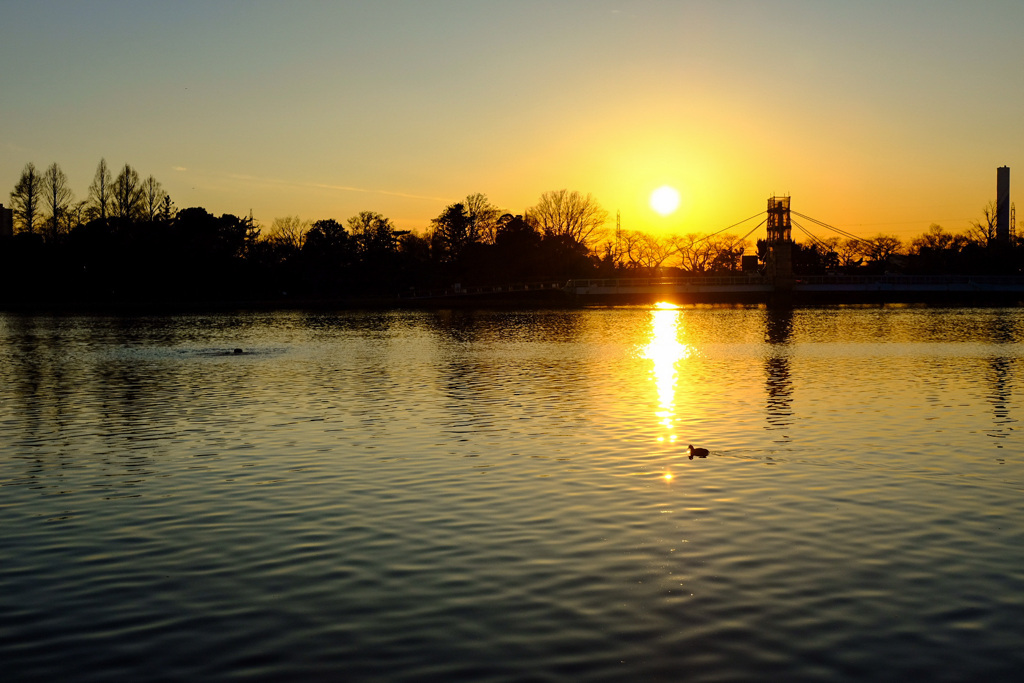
x=665, y=200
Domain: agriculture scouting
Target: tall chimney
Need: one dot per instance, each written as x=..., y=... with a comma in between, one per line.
x=1003, y=204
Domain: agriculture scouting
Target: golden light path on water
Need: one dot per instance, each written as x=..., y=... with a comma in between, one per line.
x=665, y=351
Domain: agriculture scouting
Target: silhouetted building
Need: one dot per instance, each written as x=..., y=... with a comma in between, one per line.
x=780, y=243
x=6, y=221
x=1003, y=205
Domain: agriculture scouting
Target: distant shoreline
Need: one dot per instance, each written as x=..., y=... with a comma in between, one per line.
x=551, y=299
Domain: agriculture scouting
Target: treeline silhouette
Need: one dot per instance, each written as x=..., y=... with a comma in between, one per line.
x=127, y=242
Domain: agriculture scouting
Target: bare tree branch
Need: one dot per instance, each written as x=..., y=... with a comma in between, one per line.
x=561, y=212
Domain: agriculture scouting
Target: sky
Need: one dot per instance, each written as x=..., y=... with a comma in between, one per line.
x=875, y=117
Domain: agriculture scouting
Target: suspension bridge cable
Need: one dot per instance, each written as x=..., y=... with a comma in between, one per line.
x=823, y=224
x=805, y=231
x=848, y=235
x=752, y=231
x=744, y=221
x=706, y=237
x=814, y=238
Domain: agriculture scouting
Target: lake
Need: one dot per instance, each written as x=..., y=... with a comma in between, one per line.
x=507, y=496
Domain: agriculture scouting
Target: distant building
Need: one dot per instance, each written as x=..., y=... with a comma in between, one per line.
x=6, y=221
x=1003, y=204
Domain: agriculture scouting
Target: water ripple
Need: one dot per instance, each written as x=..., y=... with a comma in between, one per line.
x=486, y=496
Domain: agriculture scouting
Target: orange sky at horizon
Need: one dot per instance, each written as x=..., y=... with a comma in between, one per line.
x=874, y=118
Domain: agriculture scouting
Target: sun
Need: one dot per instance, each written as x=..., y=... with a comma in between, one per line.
x=665, y=200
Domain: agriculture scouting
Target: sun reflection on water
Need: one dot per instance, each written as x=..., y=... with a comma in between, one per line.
x=665, y=351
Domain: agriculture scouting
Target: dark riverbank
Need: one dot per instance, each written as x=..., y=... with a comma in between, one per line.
x=933, y=291
x=550, y=298
x=552, y=302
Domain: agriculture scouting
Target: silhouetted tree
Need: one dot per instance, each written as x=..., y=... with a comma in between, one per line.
x=252, y=234
x=328, y=236
x=880, y=248
x=936, y=239
x=77, y=214
x=561, y=256
x=483, y=218
x=813, y=258
x=985, y=230
x=205, y=256
x=610, y=260
x=714, y=253
x=850, y=253
x=100, y=192
x=152, y=198
x=450, y=234
x=289, y=232
x=327, y=254
x=937, y=251
x=376, y=239
x=726, y=253
x=202, y=236
x=168, y=210
x=833, y=260
x=126, y=195
x=567, y=213
x=56, y=197
x=516, y=252
x=415, y=250
x=374, y=234
x=695, y=251
x=413, y=266
x=642, y=250
x=26, y=198
x=282, y=252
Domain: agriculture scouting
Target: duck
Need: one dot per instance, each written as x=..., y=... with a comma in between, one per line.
x=699, y=452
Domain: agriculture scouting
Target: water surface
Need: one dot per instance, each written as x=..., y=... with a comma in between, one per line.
x=495, y=496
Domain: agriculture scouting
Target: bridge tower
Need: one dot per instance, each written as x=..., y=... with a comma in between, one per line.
x=780, y=243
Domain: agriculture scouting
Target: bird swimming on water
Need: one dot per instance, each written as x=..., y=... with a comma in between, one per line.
x=699, y=452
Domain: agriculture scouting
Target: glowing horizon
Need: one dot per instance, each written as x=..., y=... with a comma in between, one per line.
x=324, y=111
